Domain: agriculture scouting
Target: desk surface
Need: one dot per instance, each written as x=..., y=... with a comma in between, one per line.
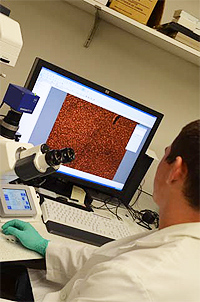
x=16, y=252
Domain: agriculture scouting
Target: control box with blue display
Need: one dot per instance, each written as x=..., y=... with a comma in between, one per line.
x=16, y=201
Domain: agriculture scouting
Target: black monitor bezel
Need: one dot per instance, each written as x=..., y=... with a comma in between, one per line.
x=129, y=188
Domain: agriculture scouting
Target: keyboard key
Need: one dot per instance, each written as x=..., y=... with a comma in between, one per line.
x=64, y=220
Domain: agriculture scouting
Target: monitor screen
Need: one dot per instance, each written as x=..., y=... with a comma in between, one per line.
x=108, y=132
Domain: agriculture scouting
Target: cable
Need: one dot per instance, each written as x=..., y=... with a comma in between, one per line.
x=117, y=207
x=146, y=193
x=146, y=217
x=106, y=207
x=138, y=196
x=135, y=214
x=1, y=104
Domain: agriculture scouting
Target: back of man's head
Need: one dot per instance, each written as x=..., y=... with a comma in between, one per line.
x=187, y=145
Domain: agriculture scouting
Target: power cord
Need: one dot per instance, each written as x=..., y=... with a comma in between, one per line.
x=105, y=206
x=138, y=195
x=1, y=104
x=145, y=218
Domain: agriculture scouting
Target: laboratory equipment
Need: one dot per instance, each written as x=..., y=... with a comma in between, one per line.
x=109, y=132
x=20, y=100
x=27, y=161
x=19, y=201
x=10, y=40
x=16, y=201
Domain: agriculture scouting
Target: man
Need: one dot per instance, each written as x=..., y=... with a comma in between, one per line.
x=162, y=265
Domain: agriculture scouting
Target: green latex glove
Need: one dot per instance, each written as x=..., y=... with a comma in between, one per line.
x=26, y=234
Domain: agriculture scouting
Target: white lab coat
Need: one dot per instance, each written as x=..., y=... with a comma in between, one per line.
x=158, y=266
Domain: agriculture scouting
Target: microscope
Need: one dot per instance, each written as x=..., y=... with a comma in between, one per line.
x=21, y=159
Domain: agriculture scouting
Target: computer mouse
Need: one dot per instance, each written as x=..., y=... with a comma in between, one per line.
x=10, y=238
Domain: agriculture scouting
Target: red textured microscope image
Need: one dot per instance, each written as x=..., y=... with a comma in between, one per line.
x=98, y=136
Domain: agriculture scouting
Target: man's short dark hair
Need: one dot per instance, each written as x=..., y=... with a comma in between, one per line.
x=186, y=145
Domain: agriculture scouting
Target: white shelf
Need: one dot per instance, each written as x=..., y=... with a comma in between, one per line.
x=140, y=30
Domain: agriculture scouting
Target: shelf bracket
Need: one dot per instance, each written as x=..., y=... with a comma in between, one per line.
x=94, y=27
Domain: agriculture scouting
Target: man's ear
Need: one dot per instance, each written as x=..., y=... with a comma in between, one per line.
x=178, y=170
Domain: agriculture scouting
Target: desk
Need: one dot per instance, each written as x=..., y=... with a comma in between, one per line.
x=16, y=252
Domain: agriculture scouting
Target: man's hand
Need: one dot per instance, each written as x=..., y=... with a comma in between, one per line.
x=26, y=234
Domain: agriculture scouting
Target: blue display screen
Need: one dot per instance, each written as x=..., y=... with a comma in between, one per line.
x=16, y=199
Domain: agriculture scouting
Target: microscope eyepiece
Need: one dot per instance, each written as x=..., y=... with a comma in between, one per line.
x=40, y=161
x=68, y=155
x=44, y=148
x=53, y=157
x=57, y=157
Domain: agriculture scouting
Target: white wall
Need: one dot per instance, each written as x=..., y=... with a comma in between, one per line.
x=56, y=31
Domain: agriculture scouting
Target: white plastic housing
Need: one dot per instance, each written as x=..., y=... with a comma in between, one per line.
x=8, y=149
x=10, y=40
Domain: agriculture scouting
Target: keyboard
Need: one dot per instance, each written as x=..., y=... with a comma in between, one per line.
x=67, y=221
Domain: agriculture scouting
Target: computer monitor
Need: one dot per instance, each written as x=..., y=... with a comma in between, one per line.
x=108, y=132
